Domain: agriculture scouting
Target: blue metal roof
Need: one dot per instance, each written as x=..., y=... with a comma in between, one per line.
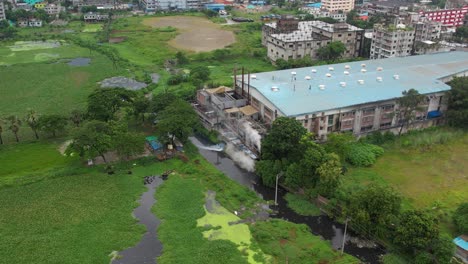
x=461, y=243
x=302, y=96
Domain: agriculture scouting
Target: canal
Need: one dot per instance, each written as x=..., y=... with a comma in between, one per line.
x=321, y=225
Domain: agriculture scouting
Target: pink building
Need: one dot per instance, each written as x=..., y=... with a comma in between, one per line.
x=448, y=17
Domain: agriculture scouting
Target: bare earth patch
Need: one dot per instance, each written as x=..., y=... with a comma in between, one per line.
x=197, y=34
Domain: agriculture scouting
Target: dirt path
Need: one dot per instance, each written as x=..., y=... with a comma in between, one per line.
x=197, y=34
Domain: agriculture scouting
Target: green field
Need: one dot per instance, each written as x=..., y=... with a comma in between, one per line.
x=70, y=219
x=30, y=162
x=432, y=178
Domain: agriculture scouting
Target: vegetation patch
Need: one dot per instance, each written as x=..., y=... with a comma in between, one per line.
x=28, y=162
x=45, y=57
x=35, y=45
x=92, y=28
x=225, y=225
x=292, y=243
x=74, y=219
x=301, y=205
x=180, y=204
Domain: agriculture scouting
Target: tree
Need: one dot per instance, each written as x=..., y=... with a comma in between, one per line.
x=76, y=117
x=32, y=119
x=416, y=231
x=200, y=73
x=339, y=144
x=374, y=208
x=457, y=113
x=161, y=101
x=461, y=32
x=177, y=121
x=443, y=249
x=283, y=140
x=181, y=58
x=329, y=175
x=52, y=123
x=91, y=140
x=332, y=51
x=103, y=103
x=15, y=125
x=268, y=170
x=328, y=20
x=460, y=218
x=128, y=144
x=302, y=173
x=408, y=106
x=6, y=31
x=141, y=106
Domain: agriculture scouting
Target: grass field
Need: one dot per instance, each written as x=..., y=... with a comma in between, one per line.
x=427, y=178
x=30, y=162
x=54, y=87
x=71, y=219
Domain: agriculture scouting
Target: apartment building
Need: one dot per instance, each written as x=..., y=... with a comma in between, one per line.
x=358, y=96
x=52, y=9
x=391, y=41
x=308, y=37
x=155, y=5
x=426, y=29
x=448, y=17
x=2, y=11
x=338, y=5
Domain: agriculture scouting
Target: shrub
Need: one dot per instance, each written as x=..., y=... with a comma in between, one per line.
x=363, y=154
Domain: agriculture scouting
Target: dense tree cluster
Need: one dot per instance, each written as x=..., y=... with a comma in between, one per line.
x=457, y=113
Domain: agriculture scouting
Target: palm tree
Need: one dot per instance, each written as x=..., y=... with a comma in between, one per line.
x=32, y=119
x=15, y=124
x=1, y=131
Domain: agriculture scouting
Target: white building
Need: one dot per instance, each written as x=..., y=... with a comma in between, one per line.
x=308, y=37
x=95, y=17
x=52, y=9
x=2, y=11
x=155, y=5
x=338, y=5
x=358, y=96
x=35, y=22
x=391, y=41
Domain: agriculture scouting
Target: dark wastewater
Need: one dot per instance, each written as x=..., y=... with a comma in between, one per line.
x=149, y=246
x=321, y=225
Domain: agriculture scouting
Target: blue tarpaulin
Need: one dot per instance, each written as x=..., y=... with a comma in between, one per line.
x=434, y=114
x=461, y=243
x=154, y=143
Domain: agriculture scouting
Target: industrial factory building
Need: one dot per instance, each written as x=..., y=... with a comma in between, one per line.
x=358, y=96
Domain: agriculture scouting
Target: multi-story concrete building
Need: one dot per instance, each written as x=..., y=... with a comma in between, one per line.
x=426, y=29
x=391, y=41
x=2, y=11
x=448, y=17
x=155, y=5
x=308, y=37
x=52, y=9
x=338, y=5
x=358, y=96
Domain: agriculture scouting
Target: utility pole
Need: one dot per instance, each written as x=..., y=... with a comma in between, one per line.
x=279, y=175
x=344, y=236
